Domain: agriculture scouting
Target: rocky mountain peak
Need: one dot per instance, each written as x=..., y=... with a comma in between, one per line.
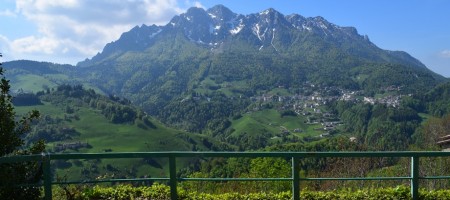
x=270, y=11
x=220, y=12
x=195, y=15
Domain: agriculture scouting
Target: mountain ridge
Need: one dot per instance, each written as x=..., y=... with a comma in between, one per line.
x=215, y=27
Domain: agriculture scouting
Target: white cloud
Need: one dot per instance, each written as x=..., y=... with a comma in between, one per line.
x=195, y=4
x=445, y=53
x=81, y=28
x=30, y=47
x=4, y=44
x=7, y=13
x=32, y=44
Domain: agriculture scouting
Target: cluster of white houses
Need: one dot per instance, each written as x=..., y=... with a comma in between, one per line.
x=393, y=101
x=69, y=145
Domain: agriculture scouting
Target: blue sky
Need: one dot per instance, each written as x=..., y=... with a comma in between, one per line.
x=68, y=31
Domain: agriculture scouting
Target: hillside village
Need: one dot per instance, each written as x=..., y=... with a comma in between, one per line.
x=310, y=101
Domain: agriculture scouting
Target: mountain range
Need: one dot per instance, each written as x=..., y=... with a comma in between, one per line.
x=218, y=28
x=204, y=66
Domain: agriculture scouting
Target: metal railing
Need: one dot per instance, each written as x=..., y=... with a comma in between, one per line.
x=295, y=157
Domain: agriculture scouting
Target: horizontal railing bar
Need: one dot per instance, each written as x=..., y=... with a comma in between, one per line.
x=290, y=179
x=234, y=179
x=248, y=154
x=356, y=179
x=59, y=156
x=108, y=155
x=21, y=158
x=312, y=154
x=435, y=177
x=24, y=185
x=110, y=181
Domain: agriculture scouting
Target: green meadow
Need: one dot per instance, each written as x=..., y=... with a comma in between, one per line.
x=270, y=121
x=104, y=136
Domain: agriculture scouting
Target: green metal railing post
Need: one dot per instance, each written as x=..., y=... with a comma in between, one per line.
x=47, y=176
x=173, y=177
x=295, y=179
x=415, y=177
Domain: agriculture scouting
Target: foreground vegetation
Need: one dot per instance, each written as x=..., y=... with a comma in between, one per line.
x=158, y=191
x=11, y=143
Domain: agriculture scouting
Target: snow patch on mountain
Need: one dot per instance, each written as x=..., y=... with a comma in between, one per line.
x=237, y=29
x=273, y=37
x=212, y=15
x=155, y=33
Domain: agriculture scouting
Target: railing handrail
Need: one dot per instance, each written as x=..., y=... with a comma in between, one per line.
x=172, y=155
x=179, y=154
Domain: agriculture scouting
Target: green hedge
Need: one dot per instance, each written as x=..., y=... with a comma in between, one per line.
x=162, y=192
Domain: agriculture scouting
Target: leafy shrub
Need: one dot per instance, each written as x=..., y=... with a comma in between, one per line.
x=162, y=192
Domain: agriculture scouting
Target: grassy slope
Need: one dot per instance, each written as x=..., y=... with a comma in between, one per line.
x=31, y=82
x=103, y=135
x=271, y=121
